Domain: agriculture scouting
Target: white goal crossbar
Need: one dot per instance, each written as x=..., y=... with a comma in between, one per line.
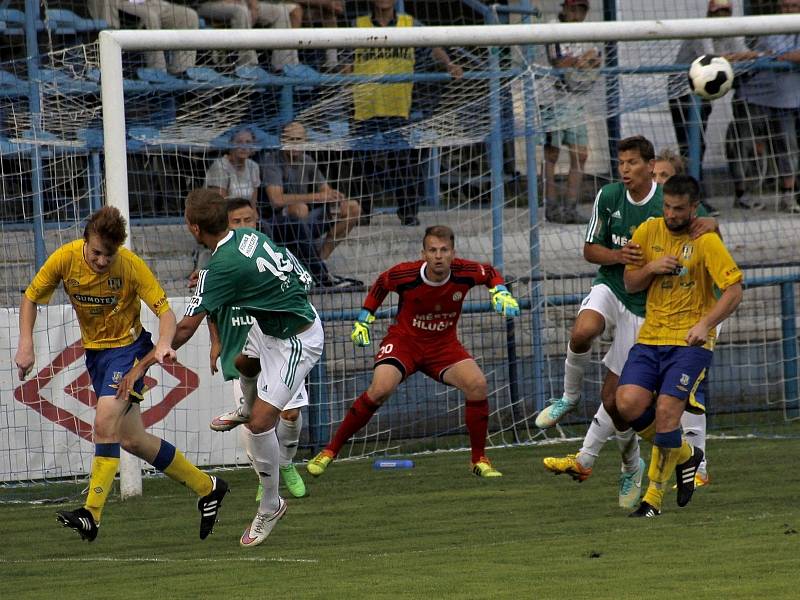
x=112, y=43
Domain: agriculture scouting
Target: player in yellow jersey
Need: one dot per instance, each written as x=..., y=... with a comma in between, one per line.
x=106, y=284
x=675, y=344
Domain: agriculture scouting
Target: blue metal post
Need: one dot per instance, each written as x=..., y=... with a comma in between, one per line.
x=695, y=131
x=496, y=158
x=537, y=305
x=791, y=368
x=433, y=176
x=35, y=108
x=613, y=126
x=286, y=109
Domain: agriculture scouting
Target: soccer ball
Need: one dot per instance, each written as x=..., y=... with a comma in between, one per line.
x=710, y=77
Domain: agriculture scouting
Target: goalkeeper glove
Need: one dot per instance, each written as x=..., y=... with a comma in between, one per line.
x=503, y=302
x=360, y=333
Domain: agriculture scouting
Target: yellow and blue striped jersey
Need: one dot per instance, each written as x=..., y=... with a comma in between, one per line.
x=676, y=302
x=107, y=304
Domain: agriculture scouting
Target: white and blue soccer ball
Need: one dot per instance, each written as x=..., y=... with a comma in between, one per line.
x=710, y=76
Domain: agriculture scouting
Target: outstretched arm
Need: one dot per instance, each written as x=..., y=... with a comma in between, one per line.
x=25, y=357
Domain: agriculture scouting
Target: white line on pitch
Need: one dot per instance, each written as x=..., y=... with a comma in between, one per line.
x=277, y=559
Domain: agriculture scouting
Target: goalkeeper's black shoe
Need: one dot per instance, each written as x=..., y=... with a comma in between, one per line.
x=684, y=476
x=645, y=510
x=209, y=506
x=81, y=520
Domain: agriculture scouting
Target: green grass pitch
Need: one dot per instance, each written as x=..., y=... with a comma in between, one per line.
x=434, y=531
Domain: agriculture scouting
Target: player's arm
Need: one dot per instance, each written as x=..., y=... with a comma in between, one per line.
x=163, y=351
x=638, y=277
x=216, y=343
x=702, y=225
x=25, y=357
x=598, y=254
x=723, y=309
x=502, y=301
x=361, y=332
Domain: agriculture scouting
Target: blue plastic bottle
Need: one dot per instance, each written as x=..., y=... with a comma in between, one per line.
x=390, y=463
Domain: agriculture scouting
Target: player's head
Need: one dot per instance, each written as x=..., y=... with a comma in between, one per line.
x=636, y=157
x=104, y=233
x=383, y=4
x=206, y=214
x=242, y=213
x=681, y=197
x=574, y=11
x=668, y=163
x=293, y=133
x=719, y=8
x=438, y=250
x=789, y=6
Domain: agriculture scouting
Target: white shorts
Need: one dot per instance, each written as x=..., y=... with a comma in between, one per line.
x=299, y=401
x=626, y=324
x=285, y=364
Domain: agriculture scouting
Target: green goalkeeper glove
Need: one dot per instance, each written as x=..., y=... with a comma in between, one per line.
x=360, y=333
x=503, y=302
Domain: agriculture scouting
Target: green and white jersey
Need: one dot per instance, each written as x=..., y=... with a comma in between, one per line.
x=615, y=216
x=233, y=325
x=266, y=281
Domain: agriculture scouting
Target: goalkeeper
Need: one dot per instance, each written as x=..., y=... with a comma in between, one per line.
x=423, y=338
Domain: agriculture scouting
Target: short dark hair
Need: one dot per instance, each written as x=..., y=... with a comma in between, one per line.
x=208, y=210
x=640, y=144
x=237, y=203
x=108, y=224
x=683, y=185
x=443, y=232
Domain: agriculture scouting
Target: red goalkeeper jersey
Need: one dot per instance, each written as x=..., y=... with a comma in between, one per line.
x=429, y=310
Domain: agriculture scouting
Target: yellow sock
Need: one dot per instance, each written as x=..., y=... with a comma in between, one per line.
x=662, y=466
x=648, y=433
x=104, y=468
x=184, y=472
x=685, y=453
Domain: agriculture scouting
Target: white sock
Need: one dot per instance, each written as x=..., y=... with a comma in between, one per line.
x=249, y=387
x=331, y=57
x=694, y=429
x=288, y=437
x=574, y=369
x=629, y=448
x=264, y=452
x=600, y=429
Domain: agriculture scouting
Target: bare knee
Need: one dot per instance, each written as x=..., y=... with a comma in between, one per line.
x=476, y=388
x=247, y=365
x=291, y=414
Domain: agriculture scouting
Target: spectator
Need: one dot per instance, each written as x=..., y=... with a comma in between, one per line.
x=236, y=175
x=771, y=101
x=326, y=13
x=245, y=14
x=385, y=107
x=154, y=14
x=306, y=209
x=565, y=113
x=732, y=48
x=667, y=164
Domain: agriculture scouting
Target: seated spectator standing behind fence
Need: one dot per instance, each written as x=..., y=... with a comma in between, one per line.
x=236, y=175
x=246, y=14
x=386, y=107
x=732, y=48
x=154, y=14
x=772, y=100
x=563, y=114
x=326, y=13
x=306, y=208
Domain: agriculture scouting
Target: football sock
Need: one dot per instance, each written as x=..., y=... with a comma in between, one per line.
x=104, y=468
x=694, y=428
x=288, y=437
x=645, y=424
x=476, y=416
x=628, y=445
x=174, y=465
x=264, y=452
x=669, y=449
x=249, y=387
x=574, y=369
x=600, y=429
x=358, y=416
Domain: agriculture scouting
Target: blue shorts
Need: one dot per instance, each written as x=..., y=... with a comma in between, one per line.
x=677, y=371
x=108, y=366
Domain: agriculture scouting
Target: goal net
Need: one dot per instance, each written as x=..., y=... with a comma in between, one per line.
x=469, y=152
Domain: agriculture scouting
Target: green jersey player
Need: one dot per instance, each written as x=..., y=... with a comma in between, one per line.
x=228, y=328
x=619, y=209
x=248, y=270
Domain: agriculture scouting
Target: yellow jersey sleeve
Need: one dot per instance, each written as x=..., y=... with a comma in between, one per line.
x=147, y=287
x=719, y=262
x=49, y=276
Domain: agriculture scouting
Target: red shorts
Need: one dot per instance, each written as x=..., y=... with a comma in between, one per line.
x=409, y=355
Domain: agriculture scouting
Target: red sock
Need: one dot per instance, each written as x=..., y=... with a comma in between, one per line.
x=358, y=416
x=476, y=416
